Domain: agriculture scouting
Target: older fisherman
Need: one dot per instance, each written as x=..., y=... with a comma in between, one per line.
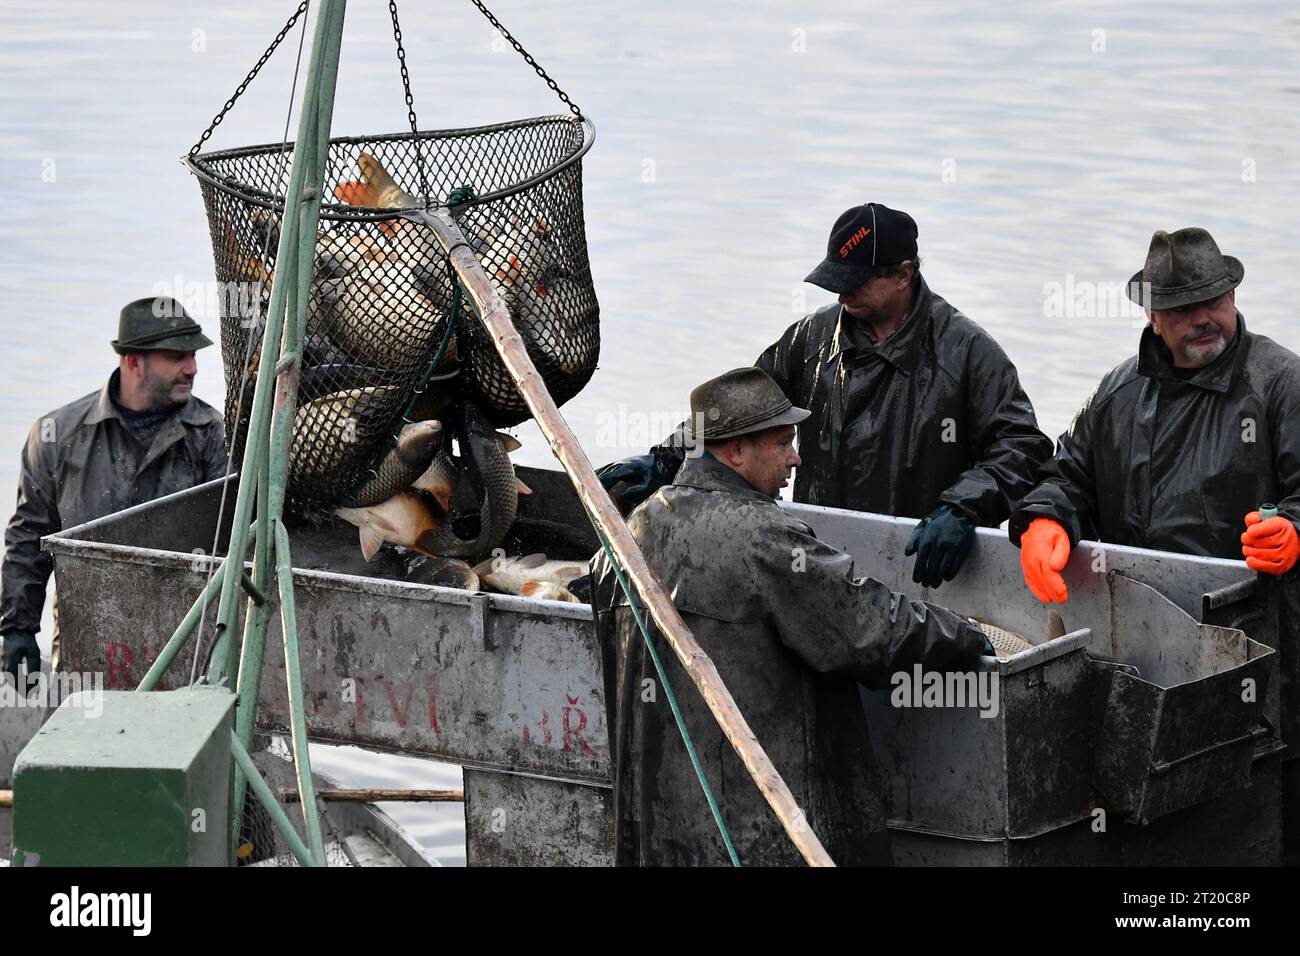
x=1179, y=446
x=791, y=632
x=139, y=437
x=915, y=409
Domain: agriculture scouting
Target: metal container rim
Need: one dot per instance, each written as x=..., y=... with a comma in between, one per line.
x=199, y=165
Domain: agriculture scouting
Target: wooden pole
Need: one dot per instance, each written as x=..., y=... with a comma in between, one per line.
x=6, y=798
x=374, y=795
x=654, y=596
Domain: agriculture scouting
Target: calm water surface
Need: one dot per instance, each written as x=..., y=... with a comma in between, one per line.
x=1037, y=146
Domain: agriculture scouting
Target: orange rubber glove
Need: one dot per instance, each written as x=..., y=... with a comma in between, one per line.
x=1044, y=551
x=1270, y=546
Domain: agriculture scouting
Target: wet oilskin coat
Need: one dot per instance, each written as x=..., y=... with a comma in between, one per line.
x=791, y=634
x=81, y=462
x=1155, y=462
x=933, y=414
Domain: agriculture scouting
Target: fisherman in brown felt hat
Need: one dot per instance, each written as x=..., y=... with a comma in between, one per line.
x=791, y=632
x=139, y=437
x=1178, y=449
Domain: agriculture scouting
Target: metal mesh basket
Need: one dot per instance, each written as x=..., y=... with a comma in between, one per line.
x=382, y=291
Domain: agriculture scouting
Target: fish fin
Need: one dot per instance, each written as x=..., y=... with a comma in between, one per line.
x=371, y=541
x=357, y=194
x=532, y=560
x=1055, y=625
x=484, y=568
x=509, y=442
x=523, y=488
x=374, y=172
x=356, y=516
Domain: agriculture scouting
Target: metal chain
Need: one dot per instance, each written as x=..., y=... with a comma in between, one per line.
x=239, y=90
x=410, y=102
x=564, y=97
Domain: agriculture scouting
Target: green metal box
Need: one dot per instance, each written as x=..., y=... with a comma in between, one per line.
x=119, y=778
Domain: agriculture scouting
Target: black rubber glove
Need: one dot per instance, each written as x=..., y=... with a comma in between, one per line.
x=641, y=477
x=940, y=542
x=19, y=647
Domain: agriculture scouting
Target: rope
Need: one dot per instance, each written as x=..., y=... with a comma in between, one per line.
x=672, y=700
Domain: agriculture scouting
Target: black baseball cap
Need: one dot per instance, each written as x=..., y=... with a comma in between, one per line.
x=864, y=239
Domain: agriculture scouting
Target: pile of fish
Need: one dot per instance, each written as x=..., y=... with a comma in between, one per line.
x=375, y=303
x=532, y=576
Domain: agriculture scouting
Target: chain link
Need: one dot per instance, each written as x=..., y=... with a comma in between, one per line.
x=410, y=102
x=564, y=97
x=239, y=90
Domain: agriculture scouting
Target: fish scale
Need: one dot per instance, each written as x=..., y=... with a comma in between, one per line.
x=1005, y=643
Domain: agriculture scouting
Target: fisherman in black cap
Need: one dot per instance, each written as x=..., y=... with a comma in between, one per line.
x=141, y=436
x=916, y=410
x=791, y=632
x=1178, y=448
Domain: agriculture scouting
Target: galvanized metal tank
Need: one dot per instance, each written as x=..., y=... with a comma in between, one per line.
x=511, y=688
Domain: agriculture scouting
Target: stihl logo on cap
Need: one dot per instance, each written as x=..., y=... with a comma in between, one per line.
x=853, y=241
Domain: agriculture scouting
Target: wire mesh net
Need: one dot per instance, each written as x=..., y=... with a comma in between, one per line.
x=261, y=843
x=380, y=301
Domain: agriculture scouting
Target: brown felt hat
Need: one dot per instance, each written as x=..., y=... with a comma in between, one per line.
x=740, y=402
x=1184, y=267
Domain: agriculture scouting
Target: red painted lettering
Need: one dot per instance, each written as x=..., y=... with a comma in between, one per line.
x=118, y=658
x=575, y=732
x=433, y=714
x=400, y=711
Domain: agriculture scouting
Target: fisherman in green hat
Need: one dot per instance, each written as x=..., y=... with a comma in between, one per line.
x=139, y=437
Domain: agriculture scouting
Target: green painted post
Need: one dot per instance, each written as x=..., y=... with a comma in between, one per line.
x=182, y=633
x=263, y=791
x=302, y=215
x=322, y=67
x=297, y=709
x=250, y=658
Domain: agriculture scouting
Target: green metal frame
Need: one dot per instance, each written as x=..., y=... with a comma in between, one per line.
x=238, y=665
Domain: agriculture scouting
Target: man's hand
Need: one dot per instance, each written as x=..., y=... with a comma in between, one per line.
x=20, y=647
x=940, y=542
x=1270, y=545
x=1044, y=551
x=639, y=478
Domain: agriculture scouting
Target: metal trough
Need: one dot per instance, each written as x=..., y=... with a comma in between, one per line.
x=511, y=688
x=1061, y=749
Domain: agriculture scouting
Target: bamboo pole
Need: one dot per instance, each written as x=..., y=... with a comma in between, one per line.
x=375, y=795
x=564, y=445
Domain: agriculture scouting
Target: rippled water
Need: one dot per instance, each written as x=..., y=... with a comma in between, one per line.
x=1035, y=144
